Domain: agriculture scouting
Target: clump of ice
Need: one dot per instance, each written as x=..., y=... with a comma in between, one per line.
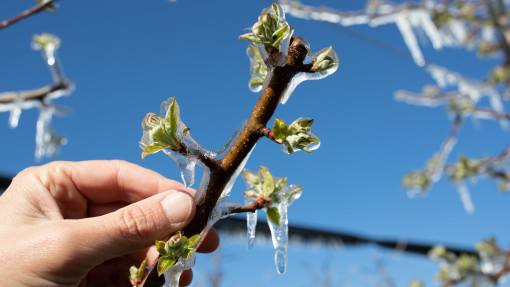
x=301, y=77
x=173, y=274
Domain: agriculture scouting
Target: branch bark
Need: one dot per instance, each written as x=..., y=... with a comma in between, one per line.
x=37, y=94
x=29, y=12
x=244, y=143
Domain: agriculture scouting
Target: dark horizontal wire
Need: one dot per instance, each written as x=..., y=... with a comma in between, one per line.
x=302, y=234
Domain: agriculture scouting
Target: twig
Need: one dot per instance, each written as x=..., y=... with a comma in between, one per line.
x=497, y=16
x=29, y=12
x=244, y=143
x=37, y=94
x=268, y=133
x=260, y=203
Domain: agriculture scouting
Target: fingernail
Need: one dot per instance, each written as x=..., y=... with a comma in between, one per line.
x=177, y=206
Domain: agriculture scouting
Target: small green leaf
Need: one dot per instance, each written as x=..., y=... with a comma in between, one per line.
x=252, y=180
x=151, y=149
x=186, y=253
x=164, y=263
x=280, y=183
x=280, y=129
x=250, y=37
x=256, y=82
x=160, y=246
x=193, y=240
x=268, y=181
x=141, y=269
x=276, y=10
x=274, y=215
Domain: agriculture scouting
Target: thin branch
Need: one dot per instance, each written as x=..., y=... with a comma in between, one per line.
x=29, y=12
x=268, y=133
x=37, y=94
x=260, y=203
x=244, y=143
x=491, y=113
x=497, y=17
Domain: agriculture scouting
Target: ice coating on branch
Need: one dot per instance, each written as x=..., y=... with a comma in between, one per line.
x=465, y=197
x=320, y=74
x=173, y=273
x=473, y=89
x=168, y=133
x=410, y=18
x=47, y=143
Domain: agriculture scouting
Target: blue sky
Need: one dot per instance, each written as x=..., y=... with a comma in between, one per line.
x=125, y=58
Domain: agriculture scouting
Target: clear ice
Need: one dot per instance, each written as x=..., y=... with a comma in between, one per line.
x=279, y=233
x=173, y=274
x=47, y=142
x=465, y=197
x=301, y=77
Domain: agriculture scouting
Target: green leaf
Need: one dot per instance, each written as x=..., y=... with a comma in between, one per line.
x=186, y=253
x=280, y=129
x=164, y=263
x=268, y=181
x=280, y=32
x=151, y=149
x=160, y=246
x=252, y=180
x=280, y=183
x=256, y=82
x=274, y=215
x=171, y=118
x=276, y=10
x=250, y=37
x=141, y=269
x=193, y=240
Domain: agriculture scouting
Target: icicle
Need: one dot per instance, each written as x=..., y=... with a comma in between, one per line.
x=279, y=232
x=301, y=77
x=465, y=197
x=173, y=274
x=47, y=143
x=251, y=222
x=410, y=39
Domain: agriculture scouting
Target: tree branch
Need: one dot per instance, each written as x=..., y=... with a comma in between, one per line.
x=29, y=12
x=37, y=94
x=498, y=17
x=268, y=133
x=244, y=143
x=260, y=203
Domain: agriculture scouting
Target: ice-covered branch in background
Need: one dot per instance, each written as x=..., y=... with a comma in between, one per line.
x=461, y=102
x=47, y=142
x=445, y=23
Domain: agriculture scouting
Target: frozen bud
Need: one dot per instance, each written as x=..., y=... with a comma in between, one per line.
x=270, y=29
x=466, y=264
x=45, y=40
x=137, y=275
x=487, y=248
x=437, y=252
x=500, y=75
x=416, y=180
x=324, y=61
x=297, y=136
x=251, y=194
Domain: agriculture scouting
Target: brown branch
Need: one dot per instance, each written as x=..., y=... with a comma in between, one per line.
x=268, y=133
x=499, y=19
x=37, y=94
x=491, y=112
x=260, y=203
x=244, y=143
x=29, y=12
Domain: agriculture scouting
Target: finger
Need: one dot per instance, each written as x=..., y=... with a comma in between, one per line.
x=94, y=209
x=133, y=227
x=186, y=277
x=210, y=242
x=111, y=181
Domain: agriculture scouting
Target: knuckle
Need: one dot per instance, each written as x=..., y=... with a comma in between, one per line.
x=136, y=224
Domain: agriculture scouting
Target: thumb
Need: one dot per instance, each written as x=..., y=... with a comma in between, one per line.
x=136, y=226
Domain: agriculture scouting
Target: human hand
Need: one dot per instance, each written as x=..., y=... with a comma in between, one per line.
x=86, y=223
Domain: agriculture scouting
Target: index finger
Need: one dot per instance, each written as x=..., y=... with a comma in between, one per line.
x=103, y=181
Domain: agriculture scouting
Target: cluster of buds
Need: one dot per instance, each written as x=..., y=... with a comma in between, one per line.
x=178, y=246
x=324, y=61
x=258, y=69
x=263, y=186
x=417, y=180
x=49, y=7
x=270, y=29
x=138, y=274
x=464, y=169
x=454, y=268
x=296, y=136
x=461, y=106
x=500, y=75
x=162, y=133
x=43, y=40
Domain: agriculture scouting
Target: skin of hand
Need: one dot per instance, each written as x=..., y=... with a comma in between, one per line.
x=86, y=223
